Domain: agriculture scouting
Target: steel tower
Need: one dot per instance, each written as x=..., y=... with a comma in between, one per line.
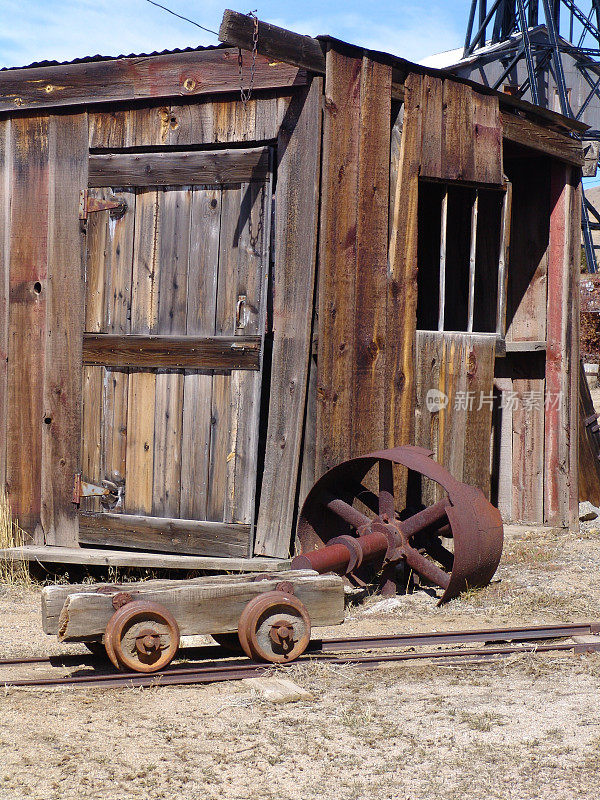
x=547, y=52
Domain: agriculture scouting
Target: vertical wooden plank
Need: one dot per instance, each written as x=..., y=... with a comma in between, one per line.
x=480, y=359
x=528, y=450
x=61, y=438
x=505, y=447
x=453, y=416
x=5, y=195
x=505, y=228
x=253, y=269
x=92, y=445
x=472, y=252
x=27, y=319
x=119, y=259
x=296, y=216
x=140, y=442
x=560, y=463
x=108, y=129
x=200, y=320
x=402, y=286
x=443, y=249
x=427, y=411
x=174, y=240
x=487, y=139
x=337, y=260
x=573, y=345
x=433, y=128
x=368, y=380
x=226, y=303
x=458, y=156
x=142, y=385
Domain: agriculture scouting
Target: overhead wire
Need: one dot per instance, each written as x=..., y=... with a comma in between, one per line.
x=180, y=16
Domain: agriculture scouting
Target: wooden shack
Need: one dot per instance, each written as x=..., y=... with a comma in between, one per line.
x=206, y=301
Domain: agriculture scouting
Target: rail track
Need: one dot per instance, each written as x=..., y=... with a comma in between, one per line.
x=348, y=651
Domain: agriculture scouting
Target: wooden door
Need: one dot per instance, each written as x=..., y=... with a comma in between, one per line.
x=176, y=288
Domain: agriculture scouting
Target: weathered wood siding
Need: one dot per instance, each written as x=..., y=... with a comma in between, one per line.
x=561, y=419
x=353, y=279
x=44, y=166
x=295, y=242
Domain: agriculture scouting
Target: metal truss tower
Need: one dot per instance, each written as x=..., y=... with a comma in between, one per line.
x=552, y=39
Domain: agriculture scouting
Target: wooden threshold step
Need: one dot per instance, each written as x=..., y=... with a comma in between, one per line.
x=127, y=558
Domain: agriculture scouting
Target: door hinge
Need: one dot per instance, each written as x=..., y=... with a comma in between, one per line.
x=110, y=493
x=88, y=204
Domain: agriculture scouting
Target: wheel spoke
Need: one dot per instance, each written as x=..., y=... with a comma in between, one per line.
x=426, y=568
x=424, y=519
x=346, y=512
x=386, y=490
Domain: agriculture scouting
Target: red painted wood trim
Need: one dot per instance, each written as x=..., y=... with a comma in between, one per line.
x=560, y=463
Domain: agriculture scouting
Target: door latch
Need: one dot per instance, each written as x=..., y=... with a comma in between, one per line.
x=110, y=494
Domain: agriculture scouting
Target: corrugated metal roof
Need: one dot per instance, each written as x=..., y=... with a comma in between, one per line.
x=88, y=59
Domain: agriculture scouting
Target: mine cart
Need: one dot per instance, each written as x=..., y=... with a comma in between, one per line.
x=266, y=616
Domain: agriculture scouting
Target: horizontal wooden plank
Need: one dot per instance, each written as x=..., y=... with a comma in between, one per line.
x=169, y=75
x=524, y=132
x=525, y=347
x=179, y=169
x=302, y=51
x=169, y=535
x=124, y=558
x=202, y=609
x=171, y=352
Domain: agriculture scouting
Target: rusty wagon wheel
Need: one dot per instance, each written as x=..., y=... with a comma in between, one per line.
x=141, y=636
x=364, y=528
x=274, y=627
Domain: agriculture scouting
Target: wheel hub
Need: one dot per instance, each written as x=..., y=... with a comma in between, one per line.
x=147, y=642
x=282, y=634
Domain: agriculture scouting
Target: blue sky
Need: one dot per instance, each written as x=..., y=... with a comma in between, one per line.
x=34, y=30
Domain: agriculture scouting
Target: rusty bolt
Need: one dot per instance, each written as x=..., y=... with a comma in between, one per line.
x=121, y=599
x=287, y=587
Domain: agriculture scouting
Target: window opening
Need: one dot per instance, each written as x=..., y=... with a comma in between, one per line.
x=462, y=257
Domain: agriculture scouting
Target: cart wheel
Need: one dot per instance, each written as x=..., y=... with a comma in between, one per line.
x=274, y=627
x=229, y=641
x=141, y=636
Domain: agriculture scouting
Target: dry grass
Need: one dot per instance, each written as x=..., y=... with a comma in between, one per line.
x=12, y=573
x=522, y=727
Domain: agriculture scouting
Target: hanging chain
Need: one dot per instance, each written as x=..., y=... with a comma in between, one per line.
x=246, y=93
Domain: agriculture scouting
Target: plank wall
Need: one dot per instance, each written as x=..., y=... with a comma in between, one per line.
x=43, y=167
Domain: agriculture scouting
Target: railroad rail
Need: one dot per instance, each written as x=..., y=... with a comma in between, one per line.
x=528, y=639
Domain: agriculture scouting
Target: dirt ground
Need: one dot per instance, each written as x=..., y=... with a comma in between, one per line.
x=525, y=726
